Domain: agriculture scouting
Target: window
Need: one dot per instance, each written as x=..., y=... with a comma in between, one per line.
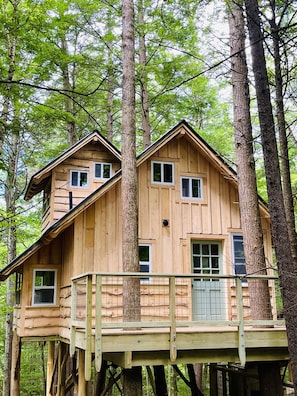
x=206, y=258
x=191, y=187
x=79, y=178
x=238, y=255
x=162, y=172
x=44, y=287
x=102, y=170
x=145, y=260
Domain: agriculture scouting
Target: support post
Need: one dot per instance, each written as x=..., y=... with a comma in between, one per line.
x=98, y=328
x=173, y=351
x=50, y=366
x=88, y=353
x=241, y=336
x=82, y=385
x=15, y=364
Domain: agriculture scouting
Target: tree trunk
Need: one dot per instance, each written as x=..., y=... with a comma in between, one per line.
x=285, y=262
x=145, y=116
x=68, y=101
x=283, y=142
x=160, y=381
x=131, y=286
x=247, y=185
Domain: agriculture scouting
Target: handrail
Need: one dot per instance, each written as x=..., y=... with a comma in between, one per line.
x=93, y=322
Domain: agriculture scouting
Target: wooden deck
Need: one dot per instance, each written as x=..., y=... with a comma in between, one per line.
x=173, y=341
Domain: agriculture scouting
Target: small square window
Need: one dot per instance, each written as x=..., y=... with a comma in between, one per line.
x=145, y=260
x=191, y=188
x=44, y=287
x=162, y=172
x=102, y=170
x=79, y=178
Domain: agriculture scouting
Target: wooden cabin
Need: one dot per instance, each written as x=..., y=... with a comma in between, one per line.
x=193, y=284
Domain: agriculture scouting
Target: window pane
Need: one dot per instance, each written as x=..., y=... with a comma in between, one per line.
x=144, y=268
x=215, y=262
x=44, y=296
x=144, y=253
x=168, y=173
x=83, y=179
x=205, y=262
x=205, y=249
x=97, y=170
x=196, y=188
x=156, y=172
x=215, y=250
x=74, y=178
x=196, y=262
x=106, y=171
x=196, y=248
x=185, y=188
x=44, y=278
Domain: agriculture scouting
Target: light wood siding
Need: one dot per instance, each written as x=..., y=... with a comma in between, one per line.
x=82, y=160
x=93, y=242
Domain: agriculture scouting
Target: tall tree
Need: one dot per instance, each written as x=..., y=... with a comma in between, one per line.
x=131, y=286
x=247, y=187
x=281, y=121
x=285, y=261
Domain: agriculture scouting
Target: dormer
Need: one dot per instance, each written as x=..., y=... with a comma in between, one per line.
x=74, y=175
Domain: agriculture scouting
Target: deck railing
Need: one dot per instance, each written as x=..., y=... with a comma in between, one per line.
x=168, y=301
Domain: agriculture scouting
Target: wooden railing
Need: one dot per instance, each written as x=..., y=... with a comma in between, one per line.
x=97, y=306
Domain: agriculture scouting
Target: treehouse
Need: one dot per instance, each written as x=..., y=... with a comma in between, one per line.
x=194, y=303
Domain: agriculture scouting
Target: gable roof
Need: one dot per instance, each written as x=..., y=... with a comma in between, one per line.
x=183, y=129
x=39, y=180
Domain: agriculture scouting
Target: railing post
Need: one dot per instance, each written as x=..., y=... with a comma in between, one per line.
x=73, y=317
x=241, y=336
x=98, y=326
x=88, y=355
x=172, y=310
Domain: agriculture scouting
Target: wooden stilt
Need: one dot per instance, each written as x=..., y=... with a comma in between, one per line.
x=81, y=374
x=50, y=366
x=15, y=364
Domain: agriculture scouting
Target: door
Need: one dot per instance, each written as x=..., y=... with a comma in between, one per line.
x=207, y=294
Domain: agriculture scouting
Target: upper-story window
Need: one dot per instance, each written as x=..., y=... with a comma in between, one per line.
x=145, y=262
x=102, y=170
x=191, y=187
x=79, y=178
x=238, y=254
x=163, y=172
x=44, y=287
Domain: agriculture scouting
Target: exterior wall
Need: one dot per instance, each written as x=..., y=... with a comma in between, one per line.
x=82, y=160
x=93, y=243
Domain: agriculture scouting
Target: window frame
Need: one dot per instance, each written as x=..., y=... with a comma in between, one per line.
x=162, y=163
x=209, y=257
x=79, y=172
x=34, y=288
x=234, y=257
x=146, y=263
x=101, y=177
x=190, y=179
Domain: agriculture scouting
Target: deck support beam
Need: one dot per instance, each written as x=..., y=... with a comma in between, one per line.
x=82, y=385
x=241, y=335
x=173, y=348
x=50, y=366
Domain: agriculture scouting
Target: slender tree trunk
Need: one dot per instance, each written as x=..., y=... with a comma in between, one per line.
x=131, y=286
x=68, y=101
x=145, y=116
x=247, y=185
x=285, y=262
x=283, y=142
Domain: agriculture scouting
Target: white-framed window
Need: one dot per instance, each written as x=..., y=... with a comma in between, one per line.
x=102, y=170
x=162, y=172
x=79, y=178
x=145, y=261
x=191, y=187
x=238, y=254
x=44, y=287
x=206, y=257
